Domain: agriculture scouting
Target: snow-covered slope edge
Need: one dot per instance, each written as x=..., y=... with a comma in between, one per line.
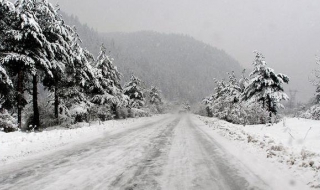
x=17, y=146
x=290, y=149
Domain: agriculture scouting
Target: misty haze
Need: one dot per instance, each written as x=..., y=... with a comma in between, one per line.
x=154, y=94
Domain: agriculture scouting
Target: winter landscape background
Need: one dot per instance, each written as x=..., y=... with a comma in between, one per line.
x=159, y=95
x=285, y=31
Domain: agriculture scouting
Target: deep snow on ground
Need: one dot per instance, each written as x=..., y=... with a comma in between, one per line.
x=18, y=145
x=292, y=144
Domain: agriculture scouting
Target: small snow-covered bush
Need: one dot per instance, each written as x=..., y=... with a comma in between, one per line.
x=7, y=122
x=312, y=113
x=100, y=112
x=239, y=113
x=156, y=109
x=47, y=116
x=80, y=112
x=134, y=112
x=254, y=114
x=122, y=113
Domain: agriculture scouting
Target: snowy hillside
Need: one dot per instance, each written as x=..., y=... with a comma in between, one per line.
x=181, y=66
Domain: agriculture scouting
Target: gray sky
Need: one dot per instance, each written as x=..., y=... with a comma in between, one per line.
x=285, y=31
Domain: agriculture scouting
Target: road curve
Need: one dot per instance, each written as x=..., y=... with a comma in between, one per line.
x=171, y=153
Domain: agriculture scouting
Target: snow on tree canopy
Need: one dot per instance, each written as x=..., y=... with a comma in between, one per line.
x=23, y=41
x=109, y=89
x=134, y=91
x=155, y=96
x=265, y=86
x=82, y=70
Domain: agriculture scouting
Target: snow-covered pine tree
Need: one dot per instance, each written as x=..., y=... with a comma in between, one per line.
x=7, y=122
x=213, y=101
x=59, y=35
x=244, y=81
x=207, y=102
x=109, y=91
x=6, y=9
x=225, y=103
x=134, y=90
x=155, y=97
x=8, y=18
x=265, y=86
x=25, y=51
x=78, y=78
x=5, y=82
x=226, y=97
x=5, y=18
x=154, y=100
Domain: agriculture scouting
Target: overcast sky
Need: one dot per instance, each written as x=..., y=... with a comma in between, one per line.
x=287, y=32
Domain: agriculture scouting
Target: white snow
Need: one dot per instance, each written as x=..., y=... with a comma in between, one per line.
x=19, y=145
x=290, y=147
x=283, y=156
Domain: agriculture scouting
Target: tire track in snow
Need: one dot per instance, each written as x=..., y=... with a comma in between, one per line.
x=197, y=163
x=144, y=173
x=229, y=176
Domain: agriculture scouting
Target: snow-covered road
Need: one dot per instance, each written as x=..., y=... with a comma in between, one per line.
x=172, y=152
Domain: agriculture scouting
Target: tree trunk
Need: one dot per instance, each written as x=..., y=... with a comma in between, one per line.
x=115, y=111
x=36, y=116
x=20, y=96
x=56, y=101
x=269, y=109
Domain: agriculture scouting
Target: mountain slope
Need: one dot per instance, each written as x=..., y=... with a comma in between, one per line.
x=182, y=67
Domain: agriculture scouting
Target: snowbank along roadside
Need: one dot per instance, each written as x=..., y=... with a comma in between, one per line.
x=17, y=146
x=293, y=145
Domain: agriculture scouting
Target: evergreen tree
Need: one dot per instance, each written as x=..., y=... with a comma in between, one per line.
x=5, y=84
x=59, y=35
x=265, y=86
x=77, y=79
x=224, y=103
x=24, y=50
x=155, y=98
x=134, y=90
x=109, y=90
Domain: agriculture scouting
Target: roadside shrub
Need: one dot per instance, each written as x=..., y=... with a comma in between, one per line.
x=7, y=122
x=134, y=112
x=99, y=112
x=47, y=116
x=312, y=113
x=239, y=113
x=122, y=113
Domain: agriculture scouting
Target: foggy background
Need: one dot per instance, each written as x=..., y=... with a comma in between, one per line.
x=285, y=31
